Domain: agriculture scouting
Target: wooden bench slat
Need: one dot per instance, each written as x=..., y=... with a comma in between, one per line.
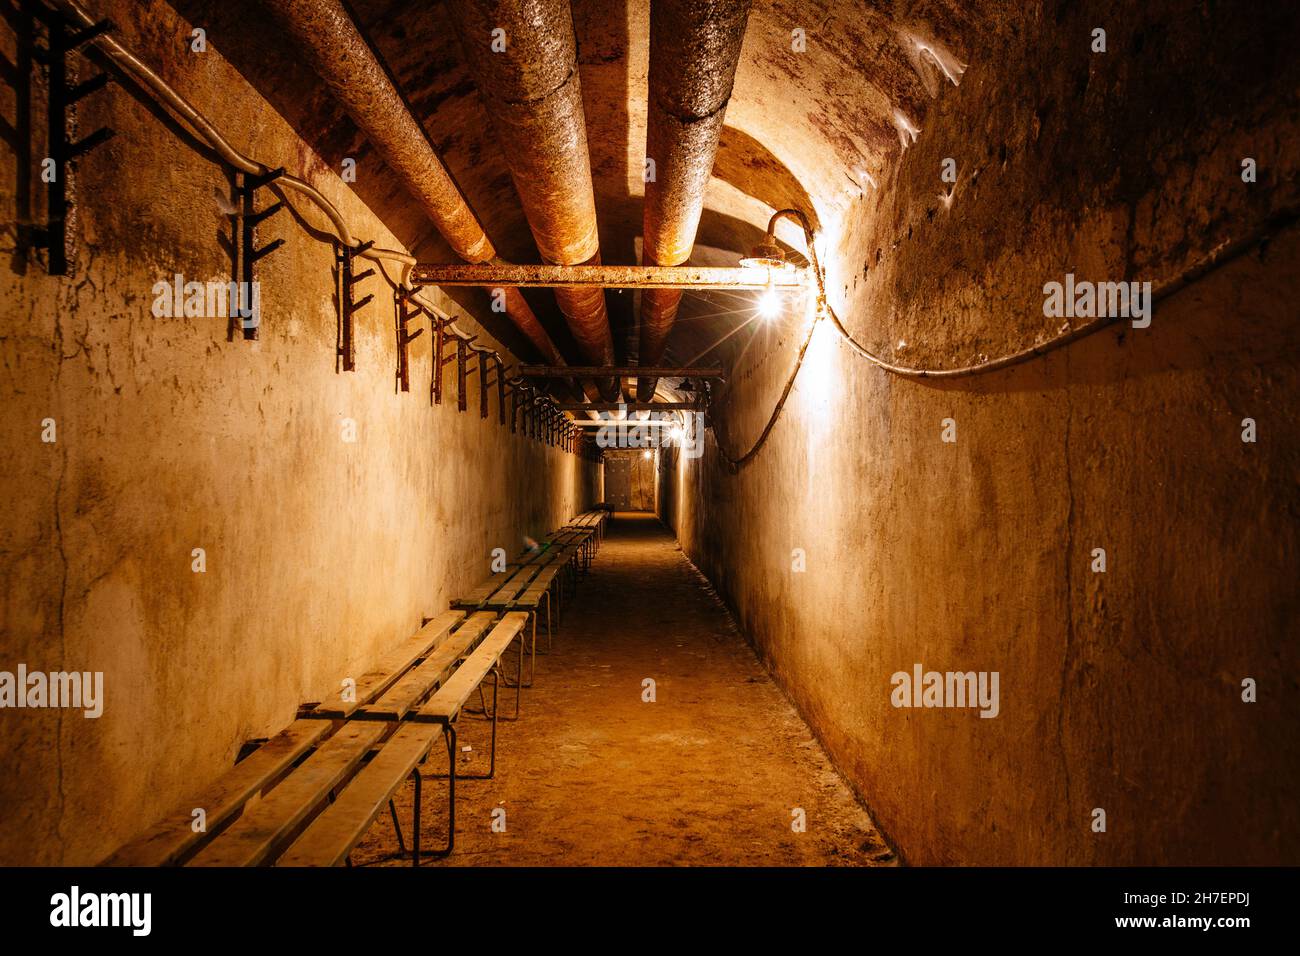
x=545, y=579
x=501, y=596
x=168, y=840
x=333, y=835
x=514, y=586
x=493, y=584
x=420, y=680
x=532, y=595
x=254, y=836
x=488, y=589
x=391, y=666
x=529, y=599
x=445, y=705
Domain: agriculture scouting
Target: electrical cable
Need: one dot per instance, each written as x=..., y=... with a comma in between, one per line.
x=131, y=64
x=169, y=97
x=1222, y=254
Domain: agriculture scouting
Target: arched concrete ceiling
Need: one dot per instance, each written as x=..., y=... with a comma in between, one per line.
x=816, y=128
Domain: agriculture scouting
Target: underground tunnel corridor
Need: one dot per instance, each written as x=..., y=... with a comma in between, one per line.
x=710, y=768
x=891, y=403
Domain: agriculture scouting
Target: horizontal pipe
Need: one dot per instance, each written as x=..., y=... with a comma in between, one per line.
x=629, y=407
x=658, y=371
x=607, y=277
x=628, y=423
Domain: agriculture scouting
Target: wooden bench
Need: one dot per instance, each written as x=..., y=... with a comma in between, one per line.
x=403, y=695
x=589, y=528
x=332, y=835
x=265, y=826
x=597, y=519
x=361, y=747
x=390, y=667
x=446, y=706
x=586, y=537
x=308, y=795
x=170, y=840
x=523, y=586
x=536, y=581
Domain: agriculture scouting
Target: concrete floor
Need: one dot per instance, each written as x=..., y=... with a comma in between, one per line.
x=708, y=774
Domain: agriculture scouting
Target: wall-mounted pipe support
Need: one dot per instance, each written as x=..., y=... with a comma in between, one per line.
x=63, y=37
x=406, y=310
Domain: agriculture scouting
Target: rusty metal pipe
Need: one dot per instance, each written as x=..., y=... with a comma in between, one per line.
x=610, y=277
x=630, y=407
x=524, y=58
x=340, y=55
x=694, y=49
x=666, y=371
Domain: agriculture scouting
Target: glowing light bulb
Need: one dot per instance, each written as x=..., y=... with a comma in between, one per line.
x=647, y=455
x=769, y=304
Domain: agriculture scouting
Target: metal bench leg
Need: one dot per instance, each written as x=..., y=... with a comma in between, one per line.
x=448, y=735
x=415, y=819
x=523, y=653
x=552, y=611
x=518, y=683
x=496, y=683
x=492, y=760
x=550, y=627
x=559, y=606
x=532, y=660
x=519, y=680
x=532, y=667
x=401, y=844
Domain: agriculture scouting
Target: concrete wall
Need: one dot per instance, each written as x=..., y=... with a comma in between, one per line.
x=320, y=553
x=1119, y=690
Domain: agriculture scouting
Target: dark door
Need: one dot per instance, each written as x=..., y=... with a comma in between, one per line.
x=618, y=482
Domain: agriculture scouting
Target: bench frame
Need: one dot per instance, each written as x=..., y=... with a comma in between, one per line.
x=448, y=735
x=170, y=840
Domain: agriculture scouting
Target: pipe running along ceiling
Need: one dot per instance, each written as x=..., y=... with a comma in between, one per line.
x=542, y=142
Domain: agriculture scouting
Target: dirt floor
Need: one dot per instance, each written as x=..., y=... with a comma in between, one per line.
x=709, y=773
